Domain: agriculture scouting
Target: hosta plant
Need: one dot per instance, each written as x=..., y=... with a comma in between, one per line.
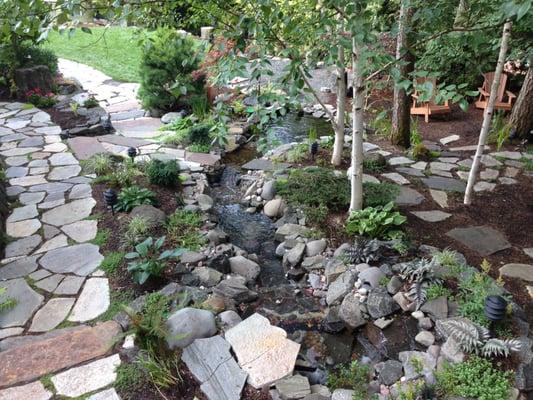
x=380, y=222
x=148, y=260
x=420, y=274
x=134, y=196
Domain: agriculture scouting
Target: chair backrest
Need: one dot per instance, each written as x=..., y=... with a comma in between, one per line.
x=422, y=80
x=487, y=84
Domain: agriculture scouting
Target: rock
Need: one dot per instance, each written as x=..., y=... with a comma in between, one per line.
x=80, y=259
x=394, y=161
x=30, y=391
x=274, y=208
x=70, y=285
x=416, y=363
x=404, y=303
x=394, y=285
x=216, y=236
x=451, y=351
x=483, y=186
x=60, y=159
x=375, y=158
x=380, y=304
x=188, y=324
x=340, y=287
x=382, y=323
x=234, y=288
x=247, y=268
x=192, y=257
x=27, y=79
x=153, y=216
x=440, y=197
x=343, y=394
x=431, y=216
x=220, y=263
x=520, y=271
x=262, y=164
x=27, y=301
x=312, y=263
x=482, y=239
x=81, y=231
x=292, y=230
x=408, y=197
x=262, y=350
x=109, y=394
x=293, y=387
x=62, y=173
x=69, y=213
x=51, y=314
x=22, y=246
x=425, y=338
x=204, y=202
x=269, y=190
x=448, y=139
x=436, y=308
x=171, y=116
x=207, y=276
x=293, y=257
x=334, y=268
x=228, y=319
x=22, y=213
x=212, y=364
x=372, y=276
x=22, y=229
x=446, y=184
x=87, y=378
x=389, y=372
x=396, y=178
x=92, y=302
x=350, y=311
x=315, y=247
x=18, y=268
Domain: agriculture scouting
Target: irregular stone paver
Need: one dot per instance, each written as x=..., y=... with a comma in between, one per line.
x=60, y=173
x=80, y=259
x=22, y=229
x=70, y=285
x=31, y=198
x=446, y=184
x=262, y=164
x=449, y=139
x=8, y=332
x=211, y=362
x=483, y=186
x=85, y=147
x=262, y=350
x=60, y=159
x=431, y=216
x=396, y=178
x=70, y=212
x=54, y=243
x=23, y=246
x=408, y=197
x=489, y=174
x=482, y=239
x=80, y=192
x=109, y=394
x=28, y=180
x=440, y=197
x=37, y=358
x=50, y=284
x=81, y=231
x=529, y=251
x=394, y=161
x=27, y=301
x=31, y=391
x=520, y=271
x=51, y=314
x=87, y=378
x=18, y=268
x=92, y=302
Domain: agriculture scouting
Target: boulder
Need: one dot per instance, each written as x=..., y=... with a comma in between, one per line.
x=228, y=319
x=216, y=236
x=207, y=276
x=153, y=216
x=293, y=387
x=315, y=247
x=205, y=202
x=340, y=287
x=425, y=338
x=234, y=288
x=292, y=230
x=372, y=276
x=188, y=324
x=350, y=311
x=220, y=262
x=293, y=257
x=244, y=267
x=269, y=190
x=436, y=308
x=274, y=208
x=380, y=304
x=389, y=372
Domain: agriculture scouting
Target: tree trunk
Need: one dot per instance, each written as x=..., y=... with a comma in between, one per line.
x=487, y=116
x=356, y=178
x=401, y=116
x=522, y=116
x=338, y=146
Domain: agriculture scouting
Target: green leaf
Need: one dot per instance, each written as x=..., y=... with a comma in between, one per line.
x=131, y=256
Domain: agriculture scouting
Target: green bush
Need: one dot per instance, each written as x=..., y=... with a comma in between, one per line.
x=167, y=62
x=354, y=376
x=134, y=196
x=474, y=378
x=379, y=194
x=36, y=55
x=163, y=173
x=375, y=222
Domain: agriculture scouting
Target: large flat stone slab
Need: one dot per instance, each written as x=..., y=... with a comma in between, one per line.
x=23, y=246
x=482, y=239
x=61, y=173
x=85, y=147
x=80, y=259
x=60, y=159
x=92, y=302
x=138, y=128
x=22, y=213
x=51, y=314
x=42, y=357
x=446, y=184
x=81, y=231
x=22, y=229
x=18, y=268
x=520, y=271
x=262, y=350
x=262, y=164
x=211, y=362
x=70, y=212
x=123, y=141
x=31, y=391
x=408, y=197
x=431, y=216
x=27, y=301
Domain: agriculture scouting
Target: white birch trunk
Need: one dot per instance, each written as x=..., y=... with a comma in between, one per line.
x=487, y=116
x=356, y=179
x=338, y=145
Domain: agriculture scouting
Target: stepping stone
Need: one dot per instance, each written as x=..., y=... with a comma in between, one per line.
x=61, y=173
x=39, y=170
x=471, y=147
x=520, y=271
x=408, y=197
x=40, y=116
x=394, y=161
x=51, y=314
x=49, y=130
x=19, y=152
x=22, y=213
x=85, y=147
x=13, y=137
x=69, y=213
x=31, y=198
x=529, y=252
x=60, y=159
x=40, y=274
x=13, y=191
x=445, y=174
x=17, y=124
x=96, y=375
x=489, y=174
x=109, y=394
x=446, y=184
x=123, y=141
x=39, y=155
x=441, y=166
x=16, y=161
x=50, y=231
x=370, y=179
x=55, y=147
x=431, y=216
x=22, y=228
x=18, y=268
x=512, y=155
x=22, y=247
x=489, y=161
x=483, y=186
x=511, y=172
x=139, y=128
x=32, y=142
x=28, y=180
x=81, y=231
x=92, y=302
x=396, y=178
x=482, y=239
x=463, y=175
x=50, y=284
x=70, y=285
x=262, y=350
x=27, y=302
x=53, y=187
x=8, y=332
x=449, y=139
x=31, y=391
x=80, y=192
x=80, y=259
x=448, y=160
x=68, y=348
x=410, y=171
x=202, y=159
x=262, y=164
x=507, y=181
x=212, y=364
x=440, y=197
x=16, y=172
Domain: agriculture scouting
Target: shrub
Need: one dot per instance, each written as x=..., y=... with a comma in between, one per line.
x=182, y=229
x=353, y=376
x=436, y=290
x=167, y=62
x=379, y=194
x=99, y=164
x=134, y=196
x=91, y=102
x=40, y=99
x=123, y=175
x=149, y=260
x=298, y=153
x=199, y=148
x=163, y=173
x=199, y=106
x=199, y=134
x=475, y=378
x=375, y=222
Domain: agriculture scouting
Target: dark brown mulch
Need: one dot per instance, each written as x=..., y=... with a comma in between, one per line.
x=65, y=119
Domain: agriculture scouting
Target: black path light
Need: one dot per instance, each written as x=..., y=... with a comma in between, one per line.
x=314, y=150
x=495, y=308
x=132, y=152
x=110, y=197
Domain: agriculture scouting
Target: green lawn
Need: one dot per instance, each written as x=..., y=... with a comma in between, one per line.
x=114, y=51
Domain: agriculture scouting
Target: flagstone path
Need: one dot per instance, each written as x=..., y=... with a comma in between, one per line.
x=51, y=269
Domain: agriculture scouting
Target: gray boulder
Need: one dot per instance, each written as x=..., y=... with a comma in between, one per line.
x=205, y=202
x=293, y=387
x=372, y=276
x=380, y=304
x=234, y=288
x=228, y=319
x=274, y=208
x=389, y=372
x=153, y=216
x=294, y=256
x=244, y=267
x=269, y=190
x=188, y=324
x=340, y=287
x=207, y=276
x=315, y=247
x=350, y=311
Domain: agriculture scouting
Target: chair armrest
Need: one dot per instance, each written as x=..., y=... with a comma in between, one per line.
x=414, y=96
x=483, y=92
x=511, y=95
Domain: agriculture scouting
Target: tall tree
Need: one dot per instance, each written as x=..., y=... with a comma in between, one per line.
x=338, y=145
x=522, y=115
x=356, y=178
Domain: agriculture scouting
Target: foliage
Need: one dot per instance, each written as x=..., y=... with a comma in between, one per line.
x=421, y=152
x=382, y=123
x=6, y=303
x=130, y=377
x=362, y=251
x=354, y=376
x=168, y=59
x=111, y=262
x=163, y=173
x=101, y=237
x=499, y=129
x=420, y=274
x=315, y=215
x=134, y=196
x=99, y=164
x=449, y=260
x=183, y=229
x=379, y=194
x=298, y=153
x=137, y=230
x=474, y=378
x=199, y=148
x=436, y=290
x=375, y=222
x=528, y=163
x=122, y=175
x=314, y=187
x=373, y=166
x=91, y=102
x=149, y=260
x=199, y=106
x=29, y=56
x=163, y=371
x=474, y=338
x=40, y=99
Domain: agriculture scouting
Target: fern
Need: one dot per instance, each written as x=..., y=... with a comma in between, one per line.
x=420, y=274
x=363, y=251
x=497, y=347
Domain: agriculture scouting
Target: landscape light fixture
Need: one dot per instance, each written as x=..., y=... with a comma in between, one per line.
x=110, y=197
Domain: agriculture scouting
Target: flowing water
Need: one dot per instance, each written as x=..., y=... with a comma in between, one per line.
x=295, y=128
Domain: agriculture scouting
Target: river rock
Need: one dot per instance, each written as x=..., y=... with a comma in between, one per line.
x=350, y=311
x=292, y=230
x=342, y=394
x=269, y=190
x=380, y=304
x=436, y=308
x=188, y=324
x=207, y=276
x=228, y=319
x=153, y=216
x=234, y=288
x=293, y=257
x=389, y=372
x=274, y=208
x=220, y=262
x=372, y=276
x=315, y=247
x=340, y=287
x=244, y=267
x=262, y=350
x=205, y=202
x=425, y=338
x=424, y=361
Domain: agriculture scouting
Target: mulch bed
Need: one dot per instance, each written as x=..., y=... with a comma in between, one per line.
x=65, y=119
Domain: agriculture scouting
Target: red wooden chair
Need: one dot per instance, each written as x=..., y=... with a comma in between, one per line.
x=427, y=108
x=504, y=100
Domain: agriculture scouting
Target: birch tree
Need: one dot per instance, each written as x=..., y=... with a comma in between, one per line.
x=487, y=116
x=356, y=178
x=338, y=145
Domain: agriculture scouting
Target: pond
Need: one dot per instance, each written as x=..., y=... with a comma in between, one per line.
x=295, y=128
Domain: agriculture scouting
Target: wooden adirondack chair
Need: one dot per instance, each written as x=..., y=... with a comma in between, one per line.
x=427, y=108
x=484, y=93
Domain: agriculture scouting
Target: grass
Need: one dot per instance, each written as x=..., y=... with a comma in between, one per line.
x=101, y=237
x=114, y=50
x=111, y=262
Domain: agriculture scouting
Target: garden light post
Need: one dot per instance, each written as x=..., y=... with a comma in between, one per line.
x=314, y=150
x=132, y=152
x=495, y=309
x=110, y=197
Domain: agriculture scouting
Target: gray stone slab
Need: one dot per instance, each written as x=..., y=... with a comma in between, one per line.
x=432, y=216
x=81, y=231
x=411, y=171
x=123, y=141
x=446, y=184
x=18, y=268
x=27, y=301
x=80, y=191
x=85, y=147
x=408, y=197
x=70, y=285
x=22, y=213
x=60, y=159
x=39, y=274
x=22, y=247
x=61, y=173
x=50, y=284
x=52, y=187
x=262, y=164
x=69, y=213
x=35, y=141
x=31, y=198
x=51, y=314
x=16, y=161
x=482, y=239
x=92, y=302
x=520, y=271
x=80, y=259
x=16, y=172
